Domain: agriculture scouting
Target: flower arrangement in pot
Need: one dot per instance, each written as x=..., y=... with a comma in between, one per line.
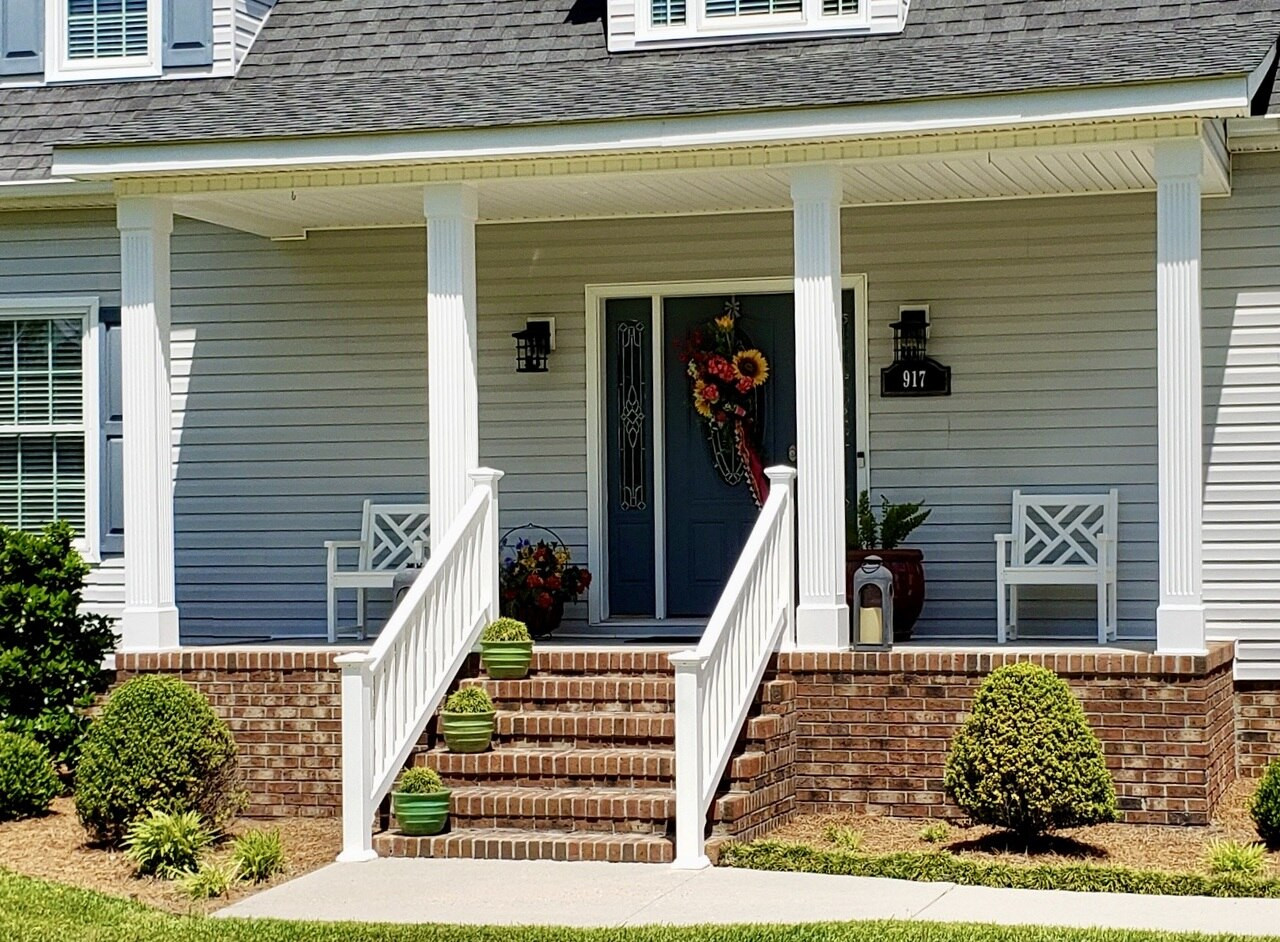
x=420, y=802
x=506, y=650
x=466, y=722
x=538, y=578
x=882, y=537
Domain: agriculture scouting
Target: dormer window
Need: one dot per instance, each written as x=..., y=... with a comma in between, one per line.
x=658, y=23
x=104, y=38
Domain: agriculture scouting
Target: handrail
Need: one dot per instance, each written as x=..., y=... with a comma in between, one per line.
x=717, y=682
x=390, y=693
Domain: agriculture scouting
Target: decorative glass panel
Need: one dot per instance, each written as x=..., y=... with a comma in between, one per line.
x=752, y=7
x=841, y=7
x=631, y=416
x=106, y=29
x=667, y=12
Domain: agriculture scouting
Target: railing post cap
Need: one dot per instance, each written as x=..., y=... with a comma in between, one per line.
x=683, y=660
x=780, y=472
x=485, y=475
x=354, y=661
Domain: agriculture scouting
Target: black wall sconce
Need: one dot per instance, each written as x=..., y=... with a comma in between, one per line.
x=534, y=345
x=913, y=372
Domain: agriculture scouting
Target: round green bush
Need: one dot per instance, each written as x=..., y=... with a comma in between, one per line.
x=420, y=780
x=28, y=783
x=505, y=629
x=1026, y=760
x=157, y=744
x=469, y=700
x=1265, y=806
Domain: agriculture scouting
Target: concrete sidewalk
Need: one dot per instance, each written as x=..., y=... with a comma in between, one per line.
x=601, y=894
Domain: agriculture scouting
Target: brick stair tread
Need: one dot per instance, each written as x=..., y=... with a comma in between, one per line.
x=515, y=844
x=586, y=802
x=561, y=725
x=555, y=759
x=598, y=687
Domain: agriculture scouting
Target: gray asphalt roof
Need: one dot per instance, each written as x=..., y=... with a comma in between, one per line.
x=357, y=66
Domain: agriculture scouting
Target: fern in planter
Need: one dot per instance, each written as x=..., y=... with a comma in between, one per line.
x=890, y=531
x=467, y=720
x=882, y=536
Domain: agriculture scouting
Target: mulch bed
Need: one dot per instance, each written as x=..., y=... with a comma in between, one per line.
x=55, y=847
x=1171, y=849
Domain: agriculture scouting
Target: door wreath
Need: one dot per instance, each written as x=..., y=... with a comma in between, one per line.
x=725, y=372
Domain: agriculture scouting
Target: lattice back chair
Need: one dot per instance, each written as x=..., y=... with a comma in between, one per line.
x=1059, y=539
x=392, y=536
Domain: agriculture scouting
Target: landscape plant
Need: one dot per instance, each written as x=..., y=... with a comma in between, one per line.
x=467, y=720
x=210, y=880
x=1264, y=806
x=469, y=700
x=844, y=837
x=1228, y=856
x=167, y=843
x=420, y=801
x=505, y=629
x=506, y=649
x=156, y=744
x=935, y=832
x=28, y=782
x=890, y=530
x=51, y=652
x=258, y=855
x=1026, y=759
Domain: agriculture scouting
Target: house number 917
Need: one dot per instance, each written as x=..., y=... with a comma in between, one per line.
x=914, y=379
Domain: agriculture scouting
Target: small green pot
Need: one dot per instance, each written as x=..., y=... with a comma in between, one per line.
x=418, y=815
x=466, y=732
x=506, y=660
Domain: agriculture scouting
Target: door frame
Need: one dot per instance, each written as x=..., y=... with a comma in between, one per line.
x=597, y=434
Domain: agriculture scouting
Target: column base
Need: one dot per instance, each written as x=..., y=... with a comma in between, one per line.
x=1180, y=629
x=149, y=629
x=822, y=626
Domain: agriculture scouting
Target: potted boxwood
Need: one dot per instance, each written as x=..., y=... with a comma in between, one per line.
x=466, y=722
x=506, y=650
x=421, y=802
x=869, y=536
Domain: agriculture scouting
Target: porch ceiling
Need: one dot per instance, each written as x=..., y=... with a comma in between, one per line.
x=1033, y=163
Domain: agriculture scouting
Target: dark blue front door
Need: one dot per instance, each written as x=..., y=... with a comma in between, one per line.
x=708, y=519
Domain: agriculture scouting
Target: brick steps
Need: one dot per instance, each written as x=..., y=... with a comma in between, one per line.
x=556, y=765
x=590, y=808
x=586, y=729
x=617, y=692
x=515, y=844
x=571, y=662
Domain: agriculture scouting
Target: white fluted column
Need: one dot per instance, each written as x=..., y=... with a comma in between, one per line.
x=454, y=431
x=150, y=621
x=1180, y=617
x=822, y=620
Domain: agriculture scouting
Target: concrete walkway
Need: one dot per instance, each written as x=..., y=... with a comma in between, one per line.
x=601, y=894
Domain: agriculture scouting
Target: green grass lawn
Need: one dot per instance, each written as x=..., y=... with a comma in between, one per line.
x=35, y=911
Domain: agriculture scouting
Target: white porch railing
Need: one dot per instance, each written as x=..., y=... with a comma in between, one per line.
x=390, y=693
x=716, y=683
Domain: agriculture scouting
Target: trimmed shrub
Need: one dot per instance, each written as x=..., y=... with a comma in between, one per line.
x=28, y=783
x=50, y=652
x=469, y=700
x=1265, y=806
x=1026, y=759
x=505, y=629
x=157, y=744
x=258, y=855
x=420, y=780
x=167, y=844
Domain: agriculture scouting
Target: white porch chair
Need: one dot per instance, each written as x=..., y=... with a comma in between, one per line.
x=392, y=536
x=1058, y=539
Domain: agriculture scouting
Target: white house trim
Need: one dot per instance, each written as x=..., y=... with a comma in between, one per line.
x=150, y=621
x=60, y=67
x=596, y=295
x=85, y=308
x=1180, y=618
x=1220, y=97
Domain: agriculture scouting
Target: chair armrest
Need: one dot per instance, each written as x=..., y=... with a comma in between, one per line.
x=1003, y=542
x=332, y=547
x=1107, y=550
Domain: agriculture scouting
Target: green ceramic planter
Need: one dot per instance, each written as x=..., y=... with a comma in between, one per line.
x=506, y=660
x=466, y=732
x=418, y=815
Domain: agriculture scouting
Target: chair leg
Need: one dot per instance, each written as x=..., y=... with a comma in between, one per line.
x=1113, y=619
x=1001, y=610
x=1103, y=607
x=1013, y=612
x=332, y=597
x=363, y=609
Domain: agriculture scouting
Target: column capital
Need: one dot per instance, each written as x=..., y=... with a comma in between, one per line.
x=1179, y=160
x=450, y=201
x=818, y=183
x=147, y=213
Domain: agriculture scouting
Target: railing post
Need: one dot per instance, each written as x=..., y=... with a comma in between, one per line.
x=690, y=813
x=357, y=759
x=784, y=478
x=488, y=478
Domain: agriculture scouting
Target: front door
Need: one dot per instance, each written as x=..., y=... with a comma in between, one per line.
x=680, y=471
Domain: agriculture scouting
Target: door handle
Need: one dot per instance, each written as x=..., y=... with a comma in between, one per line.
x=791, y=454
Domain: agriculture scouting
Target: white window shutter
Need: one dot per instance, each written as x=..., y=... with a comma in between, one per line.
x=188, y=32
x=21, y=37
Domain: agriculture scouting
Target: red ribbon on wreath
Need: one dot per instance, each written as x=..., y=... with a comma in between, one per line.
x=725, y=374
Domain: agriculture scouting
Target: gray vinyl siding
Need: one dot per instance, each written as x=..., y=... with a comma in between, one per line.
x=1242, y=406
x=300, y=383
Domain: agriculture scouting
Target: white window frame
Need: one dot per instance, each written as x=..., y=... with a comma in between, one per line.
x=85, y=308
x=61, y=67
x=698, y=25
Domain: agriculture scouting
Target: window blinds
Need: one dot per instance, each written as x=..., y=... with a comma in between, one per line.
x=106, y=29
x=667, y=12
x=840, y=7
x=752, y=7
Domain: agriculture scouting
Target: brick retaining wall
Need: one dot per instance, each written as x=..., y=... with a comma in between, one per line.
x=874, y=728
x=283, y=707
x=1257, y=725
